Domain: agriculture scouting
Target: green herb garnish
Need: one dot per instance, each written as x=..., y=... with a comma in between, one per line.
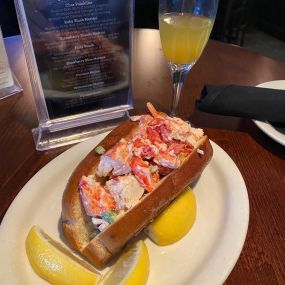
x=181, y=157
x=109, y=217
x=153, y=168
x=99, y=149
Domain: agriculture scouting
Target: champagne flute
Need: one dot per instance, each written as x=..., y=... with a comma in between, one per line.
x=185, y=27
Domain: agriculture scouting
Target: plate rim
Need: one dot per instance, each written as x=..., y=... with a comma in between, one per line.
x=266, y=127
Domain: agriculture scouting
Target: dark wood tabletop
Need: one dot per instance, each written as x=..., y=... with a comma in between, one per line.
x=260, y=159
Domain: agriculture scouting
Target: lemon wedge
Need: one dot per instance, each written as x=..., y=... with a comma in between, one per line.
x=55, y=263
x=132, y=267
x=175, y=221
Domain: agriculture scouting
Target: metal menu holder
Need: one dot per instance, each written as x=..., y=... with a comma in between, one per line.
x=78, y=55
x=8, y=82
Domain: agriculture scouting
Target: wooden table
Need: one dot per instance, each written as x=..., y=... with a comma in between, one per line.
x=260, y=160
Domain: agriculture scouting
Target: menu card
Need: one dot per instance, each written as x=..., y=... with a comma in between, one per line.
x=6, y=79
x=78, y=55
x=7, y=84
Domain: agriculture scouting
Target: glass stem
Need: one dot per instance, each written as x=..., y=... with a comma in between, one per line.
x=178, y=73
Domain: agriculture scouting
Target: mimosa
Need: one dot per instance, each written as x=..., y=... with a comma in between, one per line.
x=184, y=36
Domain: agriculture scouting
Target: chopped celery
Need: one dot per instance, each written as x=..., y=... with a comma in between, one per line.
x=109, y=217
x=99, y=149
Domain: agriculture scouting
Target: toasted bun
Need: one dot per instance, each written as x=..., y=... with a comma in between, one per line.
x=100, y=248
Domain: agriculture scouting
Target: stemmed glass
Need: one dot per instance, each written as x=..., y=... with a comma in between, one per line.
x=185, y=27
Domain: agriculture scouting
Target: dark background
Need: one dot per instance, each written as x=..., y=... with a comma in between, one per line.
x=233, y=18
x=8, y=18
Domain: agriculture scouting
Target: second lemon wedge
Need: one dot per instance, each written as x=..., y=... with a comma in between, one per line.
x=175, y=221
x=132, y=267
x=54, y=263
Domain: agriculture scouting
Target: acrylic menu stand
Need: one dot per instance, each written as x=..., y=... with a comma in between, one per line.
x=78, y=56
x=8, y=82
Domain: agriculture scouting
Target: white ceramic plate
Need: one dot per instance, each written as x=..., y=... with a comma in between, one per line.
x=205, y=256
x=266, y=127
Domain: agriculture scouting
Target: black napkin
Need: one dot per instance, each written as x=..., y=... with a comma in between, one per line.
x=263, y=104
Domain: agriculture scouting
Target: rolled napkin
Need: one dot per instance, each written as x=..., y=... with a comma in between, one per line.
x=263, y=104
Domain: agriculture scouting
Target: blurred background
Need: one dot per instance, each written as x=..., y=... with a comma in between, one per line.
x=254, y=24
